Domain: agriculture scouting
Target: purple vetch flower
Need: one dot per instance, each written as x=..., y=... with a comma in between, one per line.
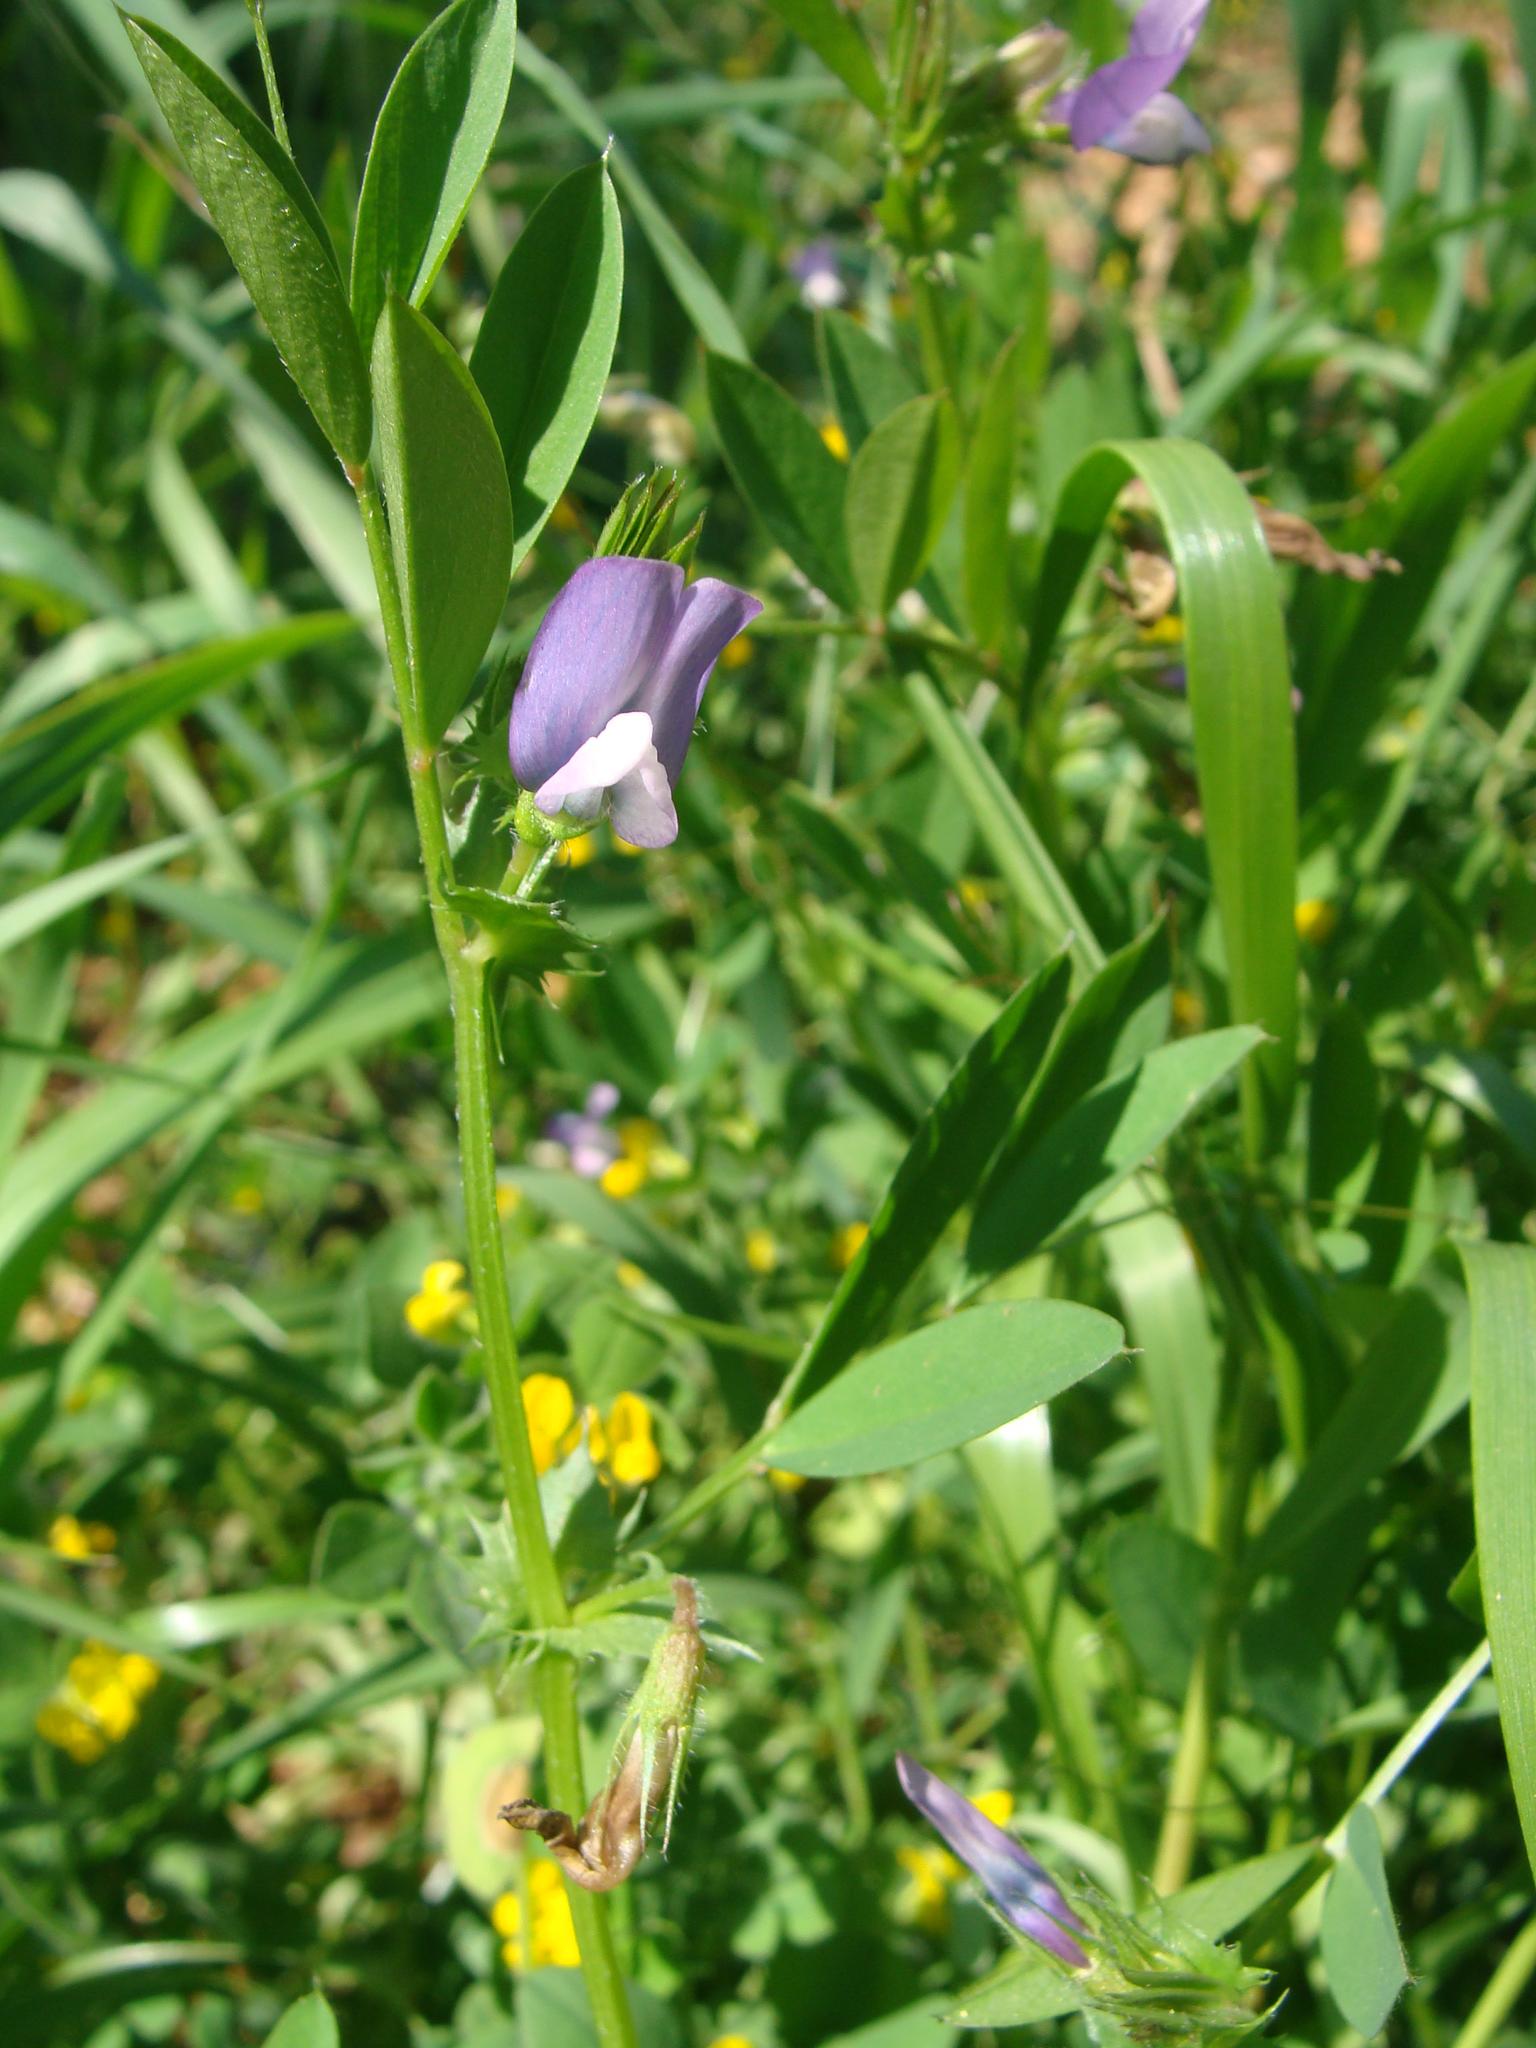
x=1125, y=105
x=585, y=1133
x=815, y=268
x=1022, y=1889
x=612, y=685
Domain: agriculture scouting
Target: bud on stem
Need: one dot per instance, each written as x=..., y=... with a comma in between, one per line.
x=647, y=1766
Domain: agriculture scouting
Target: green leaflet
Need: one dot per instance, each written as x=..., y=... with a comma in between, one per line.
x=450, y=516
x=433, y=138
x=273, y=231
x=542, y=354
x=941, y=1386
x=900, y=488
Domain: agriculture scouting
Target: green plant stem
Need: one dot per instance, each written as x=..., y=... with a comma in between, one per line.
x=474, y=1071
x=258, y=13
x=1494, y=2006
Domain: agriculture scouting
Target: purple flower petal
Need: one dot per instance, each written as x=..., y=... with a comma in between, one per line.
x=602, y=1099
x=1021, y=1888
x=1164, y=132
x=612, y=687
x=1110, y=99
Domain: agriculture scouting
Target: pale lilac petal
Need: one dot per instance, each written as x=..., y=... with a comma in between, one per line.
x=1168, y=25
x=601, y=638
x=591, y=1158
x=578, y=785
x=1021, y=1887
x=1164, y=132
x=602, y=1099
x=642, y=804
x=709, y=616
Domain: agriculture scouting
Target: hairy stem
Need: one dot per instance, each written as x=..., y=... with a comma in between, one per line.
x=474, y=1072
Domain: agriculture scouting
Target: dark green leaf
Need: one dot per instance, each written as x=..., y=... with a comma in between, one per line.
x=865, y=380
x=1101, y=1139
x=433, y=139
x=542, y=354
x=785, y=471
x=942, y=1166
x=362, y=1552
x=943, y=1385
x=899, y=491
x=450, y=515
x=1160, y=1586
x=990, y=601
x=273, y=231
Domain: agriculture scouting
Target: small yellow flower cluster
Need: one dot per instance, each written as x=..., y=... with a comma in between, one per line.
x=1168, y=631
x=80, y=1541
x=644, y=1154
x=439, y=1309
x=97, y=1703
x=730, y=2041
x=623, y=1446
x=575, y=853
x=933, y=1870
x=844, y=1248
x=553, y=1938
x=836, y=440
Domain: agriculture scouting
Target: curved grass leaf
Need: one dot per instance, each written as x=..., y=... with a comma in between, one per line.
x=835, y=36
x=542, y=354
x=899, y=491
x=990, y=603
x=43, y=761
x=1239, y=695
x=450, y=516
x=1104, y=1137
x=37, y=561
x=785, y=471
x=273, y=231
x=1501, y=1280
x=946, y=1158
x=433, y=138
x=943, y=1385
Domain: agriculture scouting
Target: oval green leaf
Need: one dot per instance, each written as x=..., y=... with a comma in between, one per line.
x=942, y=1386
x=900, y=488
x=1361, y=1951
x=273, y=231
x=785, y=471
x=433, y=138
x=450, y=516
x=308, y=2023
x=542, y=354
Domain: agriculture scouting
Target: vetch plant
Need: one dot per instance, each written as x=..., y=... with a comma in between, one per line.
x=1125, y=105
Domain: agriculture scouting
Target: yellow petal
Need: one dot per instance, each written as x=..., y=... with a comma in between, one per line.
x=761, y=1248
x=625, y=1177
x=996, y=1806
x=507, y=1915
x=68, y=1538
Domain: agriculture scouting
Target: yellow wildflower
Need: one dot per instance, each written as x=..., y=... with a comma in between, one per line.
x=785, y=1482
x=632, y=1454
x=623, y=1178
x=736, y=653
x=833, y=435
x=77, y=1541
x=932, y=1871
x=1315, y=921
x=1188, y=1011
x=761, y=1248
x=550, y=1407
x=1168, y=631
x=972, y=892
x=730, y=2041
x=629, y=1275
x=844, y=1248
x=442, y=1301
x=553, y=1933
x=247, y=1199
x=98, y=1701
x=645, y=1142
x=508, y=1199
x=625, y=846
x=996, y=1807
x=575, y=853
x=70, y=1731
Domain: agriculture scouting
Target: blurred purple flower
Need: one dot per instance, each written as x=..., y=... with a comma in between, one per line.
x=1022, y=1889
x=585, y=1133
x=817, y=271
x=1125, y=105
x=611, y=688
